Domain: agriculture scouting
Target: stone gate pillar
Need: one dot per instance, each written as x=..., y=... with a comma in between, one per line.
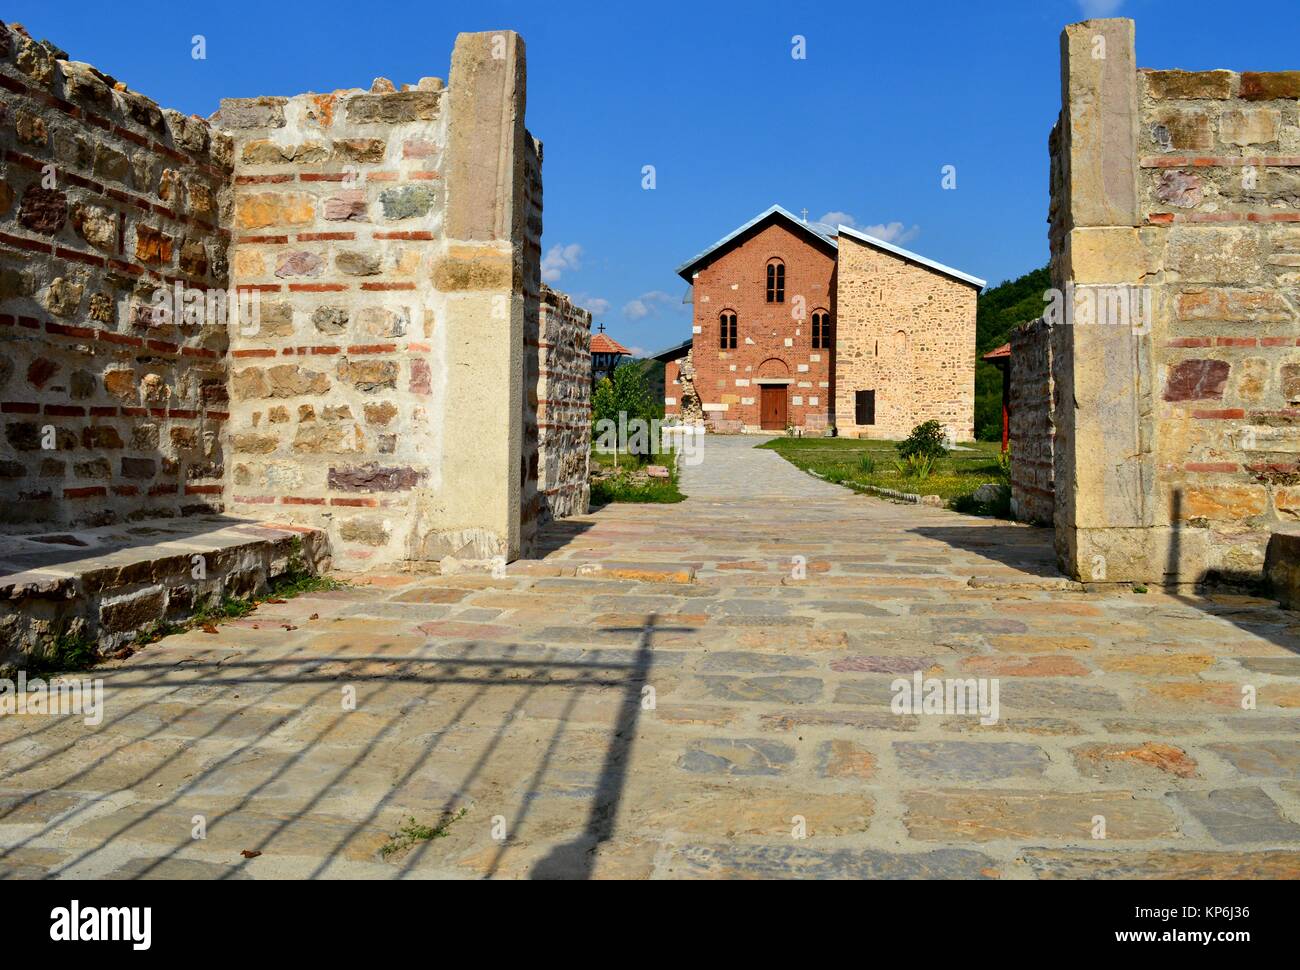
x=1108, y=525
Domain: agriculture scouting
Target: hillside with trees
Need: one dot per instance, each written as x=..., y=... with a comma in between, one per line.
x=999, y=310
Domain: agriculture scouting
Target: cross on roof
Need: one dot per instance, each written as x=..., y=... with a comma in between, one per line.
x=600, y=328
x=805, y=214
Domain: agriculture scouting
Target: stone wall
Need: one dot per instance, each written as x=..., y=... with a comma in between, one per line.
x=563, y=393
x=907, y=332
x=1031, y=430
x=1176, y=432
x=381, y=395
x=112, y=407
x=532, y=512
x=681, y=400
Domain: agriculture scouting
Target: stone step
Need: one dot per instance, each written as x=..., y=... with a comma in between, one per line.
x=112, y=583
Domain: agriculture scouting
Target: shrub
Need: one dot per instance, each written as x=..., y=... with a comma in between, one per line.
x=926, y=440
x=867, y=464
x=915, y=466
x=1004, y=463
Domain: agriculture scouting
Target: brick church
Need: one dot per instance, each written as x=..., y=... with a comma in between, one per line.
x=808, y=326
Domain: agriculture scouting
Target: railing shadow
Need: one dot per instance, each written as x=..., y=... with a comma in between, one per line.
x=482, y=666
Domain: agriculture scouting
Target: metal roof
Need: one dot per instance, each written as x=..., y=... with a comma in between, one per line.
x=911, y=256
x=675, y=351
x=821, y=230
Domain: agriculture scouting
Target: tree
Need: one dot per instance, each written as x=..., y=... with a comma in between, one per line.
x=625, y=400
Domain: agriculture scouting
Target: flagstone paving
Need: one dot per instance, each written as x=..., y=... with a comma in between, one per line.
x=692, y=690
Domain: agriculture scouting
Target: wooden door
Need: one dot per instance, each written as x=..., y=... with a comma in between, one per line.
x=772, y=414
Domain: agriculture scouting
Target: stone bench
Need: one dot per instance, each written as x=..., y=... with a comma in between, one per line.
x=112, y=583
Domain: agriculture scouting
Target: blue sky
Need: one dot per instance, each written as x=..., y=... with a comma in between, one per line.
x=709, y=94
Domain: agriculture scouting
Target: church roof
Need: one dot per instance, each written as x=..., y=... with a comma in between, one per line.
x=604, y=344
x=824, y=233
x=820, y=231
x=910, y=256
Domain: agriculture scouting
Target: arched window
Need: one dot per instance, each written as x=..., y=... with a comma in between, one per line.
x=727, y=330
x=821, y=330
x=775, y=281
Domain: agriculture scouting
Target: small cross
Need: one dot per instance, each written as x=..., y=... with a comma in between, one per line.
x=805, y=214
x=601, y=328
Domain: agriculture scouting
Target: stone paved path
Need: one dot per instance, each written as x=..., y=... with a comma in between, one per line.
x=660, y=696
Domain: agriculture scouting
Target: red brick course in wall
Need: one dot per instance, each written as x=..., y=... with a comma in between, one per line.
x=105, y=198
x=772, y=343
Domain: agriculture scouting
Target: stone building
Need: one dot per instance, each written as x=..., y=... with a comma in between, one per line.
x=382, y=248
x=807, y=326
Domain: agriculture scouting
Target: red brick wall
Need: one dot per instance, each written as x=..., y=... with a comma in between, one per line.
x=105, y=198
x=736, y=282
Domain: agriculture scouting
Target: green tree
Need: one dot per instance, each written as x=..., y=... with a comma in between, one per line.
x=625, y=400
x=999, y=310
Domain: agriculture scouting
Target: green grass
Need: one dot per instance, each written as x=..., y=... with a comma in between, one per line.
x=67, y=653
x=297, y=582
x=412, y=832
x=623, y=488
x=852, y=461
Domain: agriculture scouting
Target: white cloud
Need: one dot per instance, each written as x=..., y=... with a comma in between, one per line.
x=561, y=258
x=647, y=304
x=636, y=352
x=890, y=232
x=838, y=219
x=598, y=306
x=1100, y=8
x=893, y=232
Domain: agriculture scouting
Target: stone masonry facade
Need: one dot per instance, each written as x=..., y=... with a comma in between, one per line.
x=384, y=386
x=1176, y=436
x=1032, y=494
x=563, y=392
x=907, y=332
x=112, y=407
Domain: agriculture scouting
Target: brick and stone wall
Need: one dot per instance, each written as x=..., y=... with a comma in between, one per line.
x=107, y=201
x=1031, y=432
x=563, y=393
x=681, y=400
x=771, y=345
x=532, y=504
x=1177, y=435
x=381, y=396
x=907, y=332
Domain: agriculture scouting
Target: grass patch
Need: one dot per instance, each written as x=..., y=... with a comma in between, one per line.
x=626, y=486
x=856, y=461
x=622, y=489
x=297, y=582
x=412, y=832
x=68, y=652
